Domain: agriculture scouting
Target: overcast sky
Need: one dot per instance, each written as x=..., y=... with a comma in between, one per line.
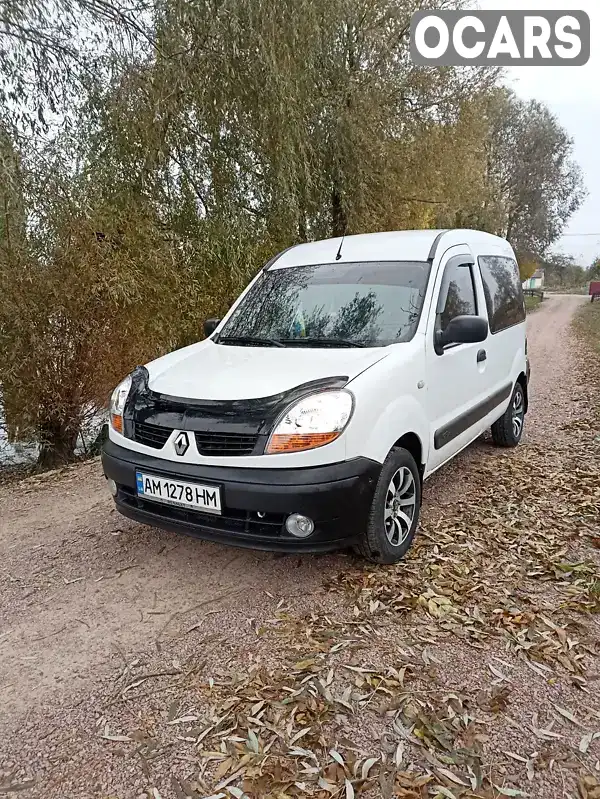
x=573, y=94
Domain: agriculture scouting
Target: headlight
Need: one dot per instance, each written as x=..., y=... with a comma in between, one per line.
x=312, y=422
x=117, y=404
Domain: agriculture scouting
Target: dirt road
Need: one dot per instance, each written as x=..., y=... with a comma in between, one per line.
x=111, y=633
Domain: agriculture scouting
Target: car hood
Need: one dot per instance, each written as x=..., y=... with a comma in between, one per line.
x=221, y=372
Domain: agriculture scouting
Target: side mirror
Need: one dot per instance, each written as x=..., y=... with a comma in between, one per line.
x=210, y=325
x=464, y=330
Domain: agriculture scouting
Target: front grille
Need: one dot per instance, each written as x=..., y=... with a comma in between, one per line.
x=208, y=443
x=231, y=521
x=152, y=435
x=225, y=444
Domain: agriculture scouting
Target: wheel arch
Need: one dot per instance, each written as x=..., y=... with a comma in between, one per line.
x=412, y=443
x=522, y=380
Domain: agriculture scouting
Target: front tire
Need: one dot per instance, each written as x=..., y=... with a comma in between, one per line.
x=394, y=515
x=508, y=430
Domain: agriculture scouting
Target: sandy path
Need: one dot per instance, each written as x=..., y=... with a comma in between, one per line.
x=84, y=591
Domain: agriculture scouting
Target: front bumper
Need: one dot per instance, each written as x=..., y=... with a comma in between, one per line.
x=337, y=497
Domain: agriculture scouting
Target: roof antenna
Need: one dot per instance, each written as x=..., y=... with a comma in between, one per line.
x=339, y=252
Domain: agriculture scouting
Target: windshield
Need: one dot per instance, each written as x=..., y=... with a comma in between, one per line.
x=356, y=304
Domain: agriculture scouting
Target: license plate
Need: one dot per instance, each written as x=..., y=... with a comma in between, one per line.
x=176, y=492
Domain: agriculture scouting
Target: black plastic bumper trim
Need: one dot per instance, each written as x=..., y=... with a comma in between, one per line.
x=337, y=497
x=287, y=544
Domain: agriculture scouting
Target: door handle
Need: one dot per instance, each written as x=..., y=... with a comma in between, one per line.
x=481, y=356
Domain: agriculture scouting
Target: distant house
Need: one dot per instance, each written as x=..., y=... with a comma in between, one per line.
x=536, y=281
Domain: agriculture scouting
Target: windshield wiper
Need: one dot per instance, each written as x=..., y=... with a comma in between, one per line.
x=248, y=341
x=323, y=342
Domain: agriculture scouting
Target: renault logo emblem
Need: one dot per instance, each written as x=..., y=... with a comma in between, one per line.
x=181, y=444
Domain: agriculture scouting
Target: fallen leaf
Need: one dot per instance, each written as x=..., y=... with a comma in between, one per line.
x=516, y=757
x=585, y=742
x=496, y=672
x=367, y=766
x=222, y=769
x=530, y=768
x=253, y=742
x=452, y=777
x=568, y=715
x=441, y=790
x=325, y=785
x=399, y=754
x=510, y=791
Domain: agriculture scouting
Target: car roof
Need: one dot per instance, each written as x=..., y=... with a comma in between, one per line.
x=396, y=245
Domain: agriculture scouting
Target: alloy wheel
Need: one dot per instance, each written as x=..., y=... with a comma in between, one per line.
x=518, y=413
x=400, y=506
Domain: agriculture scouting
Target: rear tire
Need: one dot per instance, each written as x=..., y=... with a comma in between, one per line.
x=508, y=430
x=394, y=515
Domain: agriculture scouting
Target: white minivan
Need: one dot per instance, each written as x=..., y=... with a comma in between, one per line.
x=345, y=374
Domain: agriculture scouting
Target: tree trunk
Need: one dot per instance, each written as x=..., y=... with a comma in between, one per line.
x=57, y=443
x=302, y=229
x=339, y=220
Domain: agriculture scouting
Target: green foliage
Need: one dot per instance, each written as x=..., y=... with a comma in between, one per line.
x=83, y=297
x=532, y=302
x=527, y=267
x=563, y=272
x=531, y=185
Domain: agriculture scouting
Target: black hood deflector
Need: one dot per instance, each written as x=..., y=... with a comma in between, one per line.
x=247, y=417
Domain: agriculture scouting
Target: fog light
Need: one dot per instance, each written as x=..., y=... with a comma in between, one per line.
x=299, y=525
x=112, y=486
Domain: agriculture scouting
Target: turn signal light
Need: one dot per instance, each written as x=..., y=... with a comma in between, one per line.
x=117, y=422
x=286, y=442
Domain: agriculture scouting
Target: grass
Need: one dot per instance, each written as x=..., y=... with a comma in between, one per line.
x=587, y=323
x=531, y=303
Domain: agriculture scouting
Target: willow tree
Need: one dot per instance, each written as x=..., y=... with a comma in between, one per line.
x=299, y=117
x=90, y=291
x=48, y=47
x=533, y=183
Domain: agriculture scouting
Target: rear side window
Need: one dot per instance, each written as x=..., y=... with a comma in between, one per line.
x=459, y=294
x=503, y=291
